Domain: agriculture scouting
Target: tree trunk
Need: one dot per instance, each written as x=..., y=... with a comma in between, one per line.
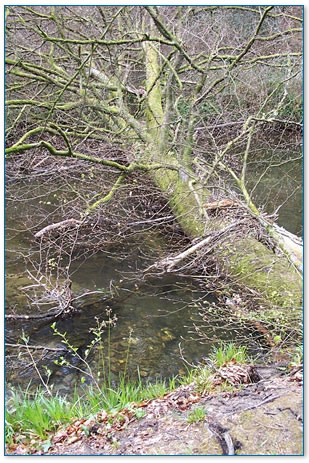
x=274, y=277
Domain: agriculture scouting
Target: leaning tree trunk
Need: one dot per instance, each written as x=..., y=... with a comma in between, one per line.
x=276, y=277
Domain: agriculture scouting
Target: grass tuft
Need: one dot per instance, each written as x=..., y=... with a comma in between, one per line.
x=227, y=353
x=196, y=415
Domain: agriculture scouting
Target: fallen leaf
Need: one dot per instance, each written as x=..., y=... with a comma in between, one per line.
x=73, y=439
x=60, y=436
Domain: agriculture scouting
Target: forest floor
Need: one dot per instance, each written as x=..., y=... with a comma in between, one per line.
x=262, y=418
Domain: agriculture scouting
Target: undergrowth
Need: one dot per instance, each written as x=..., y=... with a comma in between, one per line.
x=226, y=353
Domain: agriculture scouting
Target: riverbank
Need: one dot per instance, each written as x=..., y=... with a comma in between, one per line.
x=233, y=410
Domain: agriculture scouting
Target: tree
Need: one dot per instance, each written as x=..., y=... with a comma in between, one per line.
x=179, y=89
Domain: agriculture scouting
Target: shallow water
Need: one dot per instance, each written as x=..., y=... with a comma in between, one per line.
x=154, y=335
x=154, y=325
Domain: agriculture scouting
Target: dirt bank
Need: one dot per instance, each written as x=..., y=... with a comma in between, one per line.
x=262, y=418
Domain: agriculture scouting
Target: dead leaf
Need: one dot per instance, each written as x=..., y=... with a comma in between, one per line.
x=101, y=416
x=60, y=436
x=73, y=439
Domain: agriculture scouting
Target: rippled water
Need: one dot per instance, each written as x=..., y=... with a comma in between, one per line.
x=154, y=325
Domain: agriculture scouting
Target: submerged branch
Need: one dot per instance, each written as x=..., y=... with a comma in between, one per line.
x=55, y=226
x=52, y=314
x=26, y=346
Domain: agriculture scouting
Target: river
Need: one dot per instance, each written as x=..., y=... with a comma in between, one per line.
x=154, y=335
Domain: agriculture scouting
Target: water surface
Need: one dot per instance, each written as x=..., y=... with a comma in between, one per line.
x=154, y=335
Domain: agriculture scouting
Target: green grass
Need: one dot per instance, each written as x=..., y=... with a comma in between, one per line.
x=297, y=356
x=203, y=379
x=37, y=414
x=228, y=353
x=196, y=415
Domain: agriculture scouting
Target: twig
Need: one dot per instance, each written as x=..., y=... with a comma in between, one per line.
x=23, y=346
x=37, y=370
x=150, y=221
x=170, y=262
x=268, y=399
x=183, y=359
x=33, y=317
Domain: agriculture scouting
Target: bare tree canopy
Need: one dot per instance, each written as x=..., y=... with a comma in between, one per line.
x=176, y=97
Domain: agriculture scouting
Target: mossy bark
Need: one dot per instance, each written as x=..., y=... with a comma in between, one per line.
x=246, y=260
x=186, y=202
x=154, y=108
x=250, y=263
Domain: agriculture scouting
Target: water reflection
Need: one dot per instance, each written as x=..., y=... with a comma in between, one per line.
x=277, y=185
x=153, y=318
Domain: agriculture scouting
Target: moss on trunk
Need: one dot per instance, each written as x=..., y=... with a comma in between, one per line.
x=246, y=260
x=183, y=202
x=250, y=263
